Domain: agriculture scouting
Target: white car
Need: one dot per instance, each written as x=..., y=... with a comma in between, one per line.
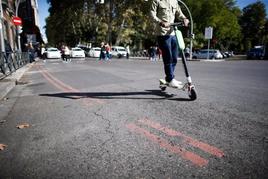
x=52, y=53
x=118, y=51
x=77, y=52
x=211, y=54
x=95, y=52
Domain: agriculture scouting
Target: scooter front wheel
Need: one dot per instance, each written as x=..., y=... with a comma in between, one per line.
x=192, y=94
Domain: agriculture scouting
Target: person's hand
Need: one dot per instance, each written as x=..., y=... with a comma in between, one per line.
x=164, y=24
x=186, y=22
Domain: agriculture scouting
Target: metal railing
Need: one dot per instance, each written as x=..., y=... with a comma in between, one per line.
x=11, y=61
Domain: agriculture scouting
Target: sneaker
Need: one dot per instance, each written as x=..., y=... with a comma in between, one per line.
x=175, y=84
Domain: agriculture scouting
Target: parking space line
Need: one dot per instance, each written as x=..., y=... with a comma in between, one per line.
x=192, y=157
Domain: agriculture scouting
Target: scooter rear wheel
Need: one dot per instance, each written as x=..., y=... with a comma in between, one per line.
x=163, y=88
x=192, y=94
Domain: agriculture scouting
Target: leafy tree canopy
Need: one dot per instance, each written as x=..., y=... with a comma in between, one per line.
x=124, y=22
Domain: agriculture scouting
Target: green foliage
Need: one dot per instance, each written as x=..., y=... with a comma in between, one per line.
x=254, y=25
x=124, y=22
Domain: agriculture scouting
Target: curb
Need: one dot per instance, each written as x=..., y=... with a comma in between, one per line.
x=8, y=83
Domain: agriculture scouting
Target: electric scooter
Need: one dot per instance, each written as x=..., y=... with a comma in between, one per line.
x=188, y=85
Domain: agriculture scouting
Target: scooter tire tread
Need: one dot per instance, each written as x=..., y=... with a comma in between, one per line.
x=193, y=94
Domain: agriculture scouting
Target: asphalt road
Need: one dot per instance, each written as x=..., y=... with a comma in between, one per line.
x=99, y=119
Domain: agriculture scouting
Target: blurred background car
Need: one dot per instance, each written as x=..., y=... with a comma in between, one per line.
x=118, y=51
x=211, y=54
x=77, y=52
x=258, y=52
x=52, y=52
x=228, y=54
x=94, y=52
x=85, y=48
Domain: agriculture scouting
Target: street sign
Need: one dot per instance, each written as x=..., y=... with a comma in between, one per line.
x=208, y=32
x=17, y=20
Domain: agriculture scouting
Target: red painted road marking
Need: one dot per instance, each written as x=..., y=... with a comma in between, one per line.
x=201, y=145
x=66, y=88
x=51, y=81
x=63, y=86
x=194, y=158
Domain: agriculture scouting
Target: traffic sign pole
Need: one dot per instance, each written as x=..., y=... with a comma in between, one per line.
x=1, y=28
x=208, y=35
x=18, y=34
x=18, y=22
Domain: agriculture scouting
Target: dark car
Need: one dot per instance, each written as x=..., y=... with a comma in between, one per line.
x=266, y=52
x=256, y=53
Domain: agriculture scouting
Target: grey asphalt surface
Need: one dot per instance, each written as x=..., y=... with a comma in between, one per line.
x=98, y=119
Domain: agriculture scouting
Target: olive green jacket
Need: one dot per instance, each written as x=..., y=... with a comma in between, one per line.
x=165, y=11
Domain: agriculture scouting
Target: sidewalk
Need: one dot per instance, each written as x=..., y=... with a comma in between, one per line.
x=9, y=82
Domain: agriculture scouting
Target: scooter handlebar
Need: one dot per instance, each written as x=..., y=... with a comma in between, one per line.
x=178, y=24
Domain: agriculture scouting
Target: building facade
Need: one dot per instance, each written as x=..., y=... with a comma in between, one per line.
x=27, y=10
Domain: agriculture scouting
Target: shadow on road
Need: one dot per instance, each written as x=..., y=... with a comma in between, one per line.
x=117, y=95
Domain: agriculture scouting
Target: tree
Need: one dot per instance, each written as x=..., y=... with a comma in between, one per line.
x=219, y=14
x=118, y=21
x=124, y=22
x=253, y=21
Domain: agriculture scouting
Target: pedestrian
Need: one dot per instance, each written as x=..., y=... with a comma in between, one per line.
x=159, y=52
x=149, y=51
x=66, y=53
x=43, y=56
x=102, y=52
x=163, y=12
x=62, y=48
x=8, y=49
x=152, y=53
x=107, y=51
x=128, y=51
x=31, y=52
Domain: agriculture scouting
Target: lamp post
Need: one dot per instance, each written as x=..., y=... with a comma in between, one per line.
x=192, y=28
x=1, y=28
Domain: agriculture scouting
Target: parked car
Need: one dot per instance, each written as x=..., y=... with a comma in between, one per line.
x=256, y=53
x=85, y=48
x=118, y=51
x=77, y=52
x=224, y=55
x=52, y=53
x=204, y=53
x=94, y=52
x=229, y=54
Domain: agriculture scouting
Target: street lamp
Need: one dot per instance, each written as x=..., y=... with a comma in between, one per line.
x=192, y=28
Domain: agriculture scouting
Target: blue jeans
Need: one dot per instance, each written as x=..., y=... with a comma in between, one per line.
x=169, y=47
